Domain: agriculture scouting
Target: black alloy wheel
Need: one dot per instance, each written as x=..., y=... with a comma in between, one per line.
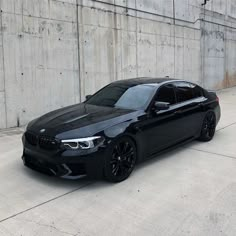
x=208, y=127
x=121, y=162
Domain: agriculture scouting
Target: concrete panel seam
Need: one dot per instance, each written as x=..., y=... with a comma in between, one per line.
x=217, y=154
x=68, y=3
x=234, y=123
x=148, y=33
x=38, y=17
x=143, y=18
x=174, y=35
x=219, y=24
x=4, y=74
x=136, y=35
x=78, y=49
x=50, y=200
x=142, y=11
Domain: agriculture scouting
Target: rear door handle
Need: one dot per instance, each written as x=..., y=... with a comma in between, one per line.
x=179, y=112
x=200, y=105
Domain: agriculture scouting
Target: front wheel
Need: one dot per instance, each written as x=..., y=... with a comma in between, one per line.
x=121, y=160
x=208, y=127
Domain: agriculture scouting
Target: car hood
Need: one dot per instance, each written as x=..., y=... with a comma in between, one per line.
x=79, y=120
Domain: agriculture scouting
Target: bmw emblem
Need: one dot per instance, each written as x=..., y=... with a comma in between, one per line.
x=42, y=130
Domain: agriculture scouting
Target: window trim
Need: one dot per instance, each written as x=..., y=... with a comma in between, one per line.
x=177, y=104
x=192, y=84
x=176, y=91
x=194, y=98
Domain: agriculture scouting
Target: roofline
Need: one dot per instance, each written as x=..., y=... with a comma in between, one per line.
x=156, y=84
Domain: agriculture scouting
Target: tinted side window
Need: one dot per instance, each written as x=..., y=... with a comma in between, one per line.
x=183, y=92
x=196, y=90
x=166, y=94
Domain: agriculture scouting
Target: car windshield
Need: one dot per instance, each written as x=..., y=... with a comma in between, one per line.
x=123, y=96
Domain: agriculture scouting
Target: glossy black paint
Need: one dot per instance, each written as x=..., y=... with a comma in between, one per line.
x=153, y=131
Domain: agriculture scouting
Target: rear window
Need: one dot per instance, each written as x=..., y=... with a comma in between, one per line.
x=183, y=92
x=196, y=90
x=166, y=94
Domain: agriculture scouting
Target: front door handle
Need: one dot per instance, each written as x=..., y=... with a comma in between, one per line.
x=200, y=105
x=179, y=112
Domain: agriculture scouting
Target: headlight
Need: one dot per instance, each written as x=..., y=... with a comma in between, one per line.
x=82, y=143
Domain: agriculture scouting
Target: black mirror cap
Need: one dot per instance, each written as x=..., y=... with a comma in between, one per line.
x=87, y=97
x=161, y=106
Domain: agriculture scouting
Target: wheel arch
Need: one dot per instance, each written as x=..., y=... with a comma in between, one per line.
x=132, y=138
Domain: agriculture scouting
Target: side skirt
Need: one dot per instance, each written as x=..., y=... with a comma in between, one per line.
x=170, y=148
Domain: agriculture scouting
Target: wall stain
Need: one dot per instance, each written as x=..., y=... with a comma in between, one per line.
x=228, y=81
x=59, y=28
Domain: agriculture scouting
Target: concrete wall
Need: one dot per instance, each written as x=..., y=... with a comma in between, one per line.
x=54, y=52
x=40, y=50
x=117, y=46
x=2, y=82
x=219, y=50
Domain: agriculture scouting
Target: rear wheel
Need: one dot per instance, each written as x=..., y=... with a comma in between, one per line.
x=121, y=161
x=208, y=127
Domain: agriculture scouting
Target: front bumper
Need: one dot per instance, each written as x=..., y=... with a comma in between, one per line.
x=68, y=164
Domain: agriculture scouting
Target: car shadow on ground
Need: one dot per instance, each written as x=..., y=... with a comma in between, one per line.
x=99, y=183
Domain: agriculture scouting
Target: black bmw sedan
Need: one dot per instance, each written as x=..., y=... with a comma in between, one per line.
x=124, y=123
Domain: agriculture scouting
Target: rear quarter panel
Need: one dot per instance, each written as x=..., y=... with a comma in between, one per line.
x=213, y=104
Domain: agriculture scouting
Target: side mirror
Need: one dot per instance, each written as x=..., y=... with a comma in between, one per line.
x=87, y=97
x=162, y=106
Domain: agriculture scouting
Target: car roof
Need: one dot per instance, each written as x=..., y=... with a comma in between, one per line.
x=145, y=81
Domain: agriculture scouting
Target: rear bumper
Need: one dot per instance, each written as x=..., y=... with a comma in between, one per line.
x=218, y=113
x=66, y=164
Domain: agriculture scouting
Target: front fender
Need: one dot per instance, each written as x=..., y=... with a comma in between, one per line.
x=117, y=130
x=124, y=129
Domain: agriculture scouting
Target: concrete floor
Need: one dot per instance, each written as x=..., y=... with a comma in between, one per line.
x=189, y=191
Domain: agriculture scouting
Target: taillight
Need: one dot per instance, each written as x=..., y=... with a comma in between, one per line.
x=217, y=99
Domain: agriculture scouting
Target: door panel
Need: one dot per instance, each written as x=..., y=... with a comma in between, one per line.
x=162, y=129
x=190, y=109
x=159, y=129
x=165, y=129
x=189, y=118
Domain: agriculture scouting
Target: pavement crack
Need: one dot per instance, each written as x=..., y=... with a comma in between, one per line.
x=218, y=154
x=43, y=203
x=226, y=126
x=48, y=226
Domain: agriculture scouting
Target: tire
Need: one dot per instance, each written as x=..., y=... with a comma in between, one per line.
x=208, y=127
x=121, y=160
